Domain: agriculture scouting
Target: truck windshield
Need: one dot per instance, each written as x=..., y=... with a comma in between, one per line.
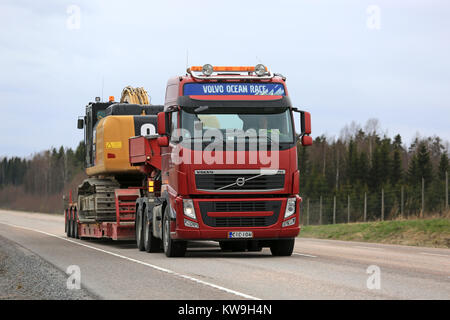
x=276, y=122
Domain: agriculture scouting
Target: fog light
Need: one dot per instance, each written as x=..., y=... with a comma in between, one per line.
x=288, y=223
x=190, y=224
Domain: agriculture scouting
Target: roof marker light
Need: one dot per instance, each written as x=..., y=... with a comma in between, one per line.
x=207, y=69
x=260, y=70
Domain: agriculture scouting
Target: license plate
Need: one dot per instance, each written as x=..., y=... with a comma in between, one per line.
x=240, y=234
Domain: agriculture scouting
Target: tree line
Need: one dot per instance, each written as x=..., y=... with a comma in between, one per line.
x=45, y=173
x=366, y=161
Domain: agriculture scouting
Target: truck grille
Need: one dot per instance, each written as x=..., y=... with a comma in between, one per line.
x=228, y=182
x=240, y=206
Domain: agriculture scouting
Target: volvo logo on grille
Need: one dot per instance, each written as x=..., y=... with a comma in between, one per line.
x=240, y=181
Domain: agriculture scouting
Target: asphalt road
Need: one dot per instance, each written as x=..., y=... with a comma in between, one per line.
x=319, y=269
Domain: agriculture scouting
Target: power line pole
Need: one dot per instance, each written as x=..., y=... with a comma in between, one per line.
x=382, y=204
x=348, y=208
x=307, y=212
x=334, y=210
x=402, y=199
x=446, y=190
x=320, y=211
x=423, y=198
x=365, y=206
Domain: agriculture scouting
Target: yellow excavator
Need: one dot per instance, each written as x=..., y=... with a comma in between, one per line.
x=107, y=128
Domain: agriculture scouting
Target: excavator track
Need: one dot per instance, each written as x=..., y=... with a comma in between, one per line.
x=96, y=200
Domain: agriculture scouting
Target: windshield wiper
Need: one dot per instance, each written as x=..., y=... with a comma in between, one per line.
x=201, y=109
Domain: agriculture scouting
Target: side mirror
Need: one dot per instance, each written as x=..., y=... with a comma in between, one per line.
x=307, y=141
x=80, y=123
x=162, y=130
x=305, y=122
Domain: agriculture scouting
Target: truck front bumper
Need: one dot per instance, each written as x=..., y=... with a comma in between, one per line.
x=216, y=218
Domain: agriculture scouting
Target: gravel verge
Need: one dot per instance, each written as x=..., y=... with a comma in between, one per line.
x=26, y=276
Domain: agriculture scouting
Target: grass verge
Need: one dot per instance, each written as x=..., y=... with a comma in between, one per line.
x=423, y=232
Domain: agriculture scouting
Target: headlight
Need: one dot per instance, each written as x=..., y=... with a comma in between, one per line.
x=290, y=207
x=188, y=208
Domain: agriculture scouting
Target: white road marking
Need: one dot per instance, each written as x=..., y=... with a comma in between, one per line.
x=363, y=247
x=435, y=254
x=305, y=255
x=237, y=293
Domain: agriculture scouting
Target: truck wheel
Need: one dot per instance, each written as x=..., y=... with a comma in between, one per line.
x=225, y=245
x=139, y=229
x=151, y=243
x=239, y=246
x=172, y=248
x=254, y=246
x=283, y=247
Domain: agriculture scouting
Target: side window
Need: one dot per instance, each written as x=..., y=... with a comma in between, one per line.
x=174, y=124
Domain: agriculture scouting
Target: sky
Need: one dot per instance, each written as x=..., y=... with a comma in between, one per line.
x=344, y=60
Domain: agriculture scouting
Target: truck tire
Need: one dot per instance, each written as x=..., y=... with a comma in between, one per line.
x=283, y=247
x=225, y=245
x=254, y=246
x=139, y=229
x=171, y=247
x=239, y=246
x=151, y=243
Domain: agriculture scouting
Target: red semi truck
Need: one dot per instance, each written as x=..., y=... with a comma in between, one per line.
x=206, y=176
x=220, y=165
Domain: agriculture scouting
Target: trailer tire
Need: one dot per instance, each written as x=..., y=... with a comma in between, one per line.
x=69, y=225
x=75, y=226
x=139, y=229
x=282, y=248
x=65, y=221
x=171, y=247
x=151, y=243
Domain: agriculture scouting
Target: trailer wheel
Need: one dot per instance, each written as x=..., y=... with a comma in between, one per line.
x=75, y=226
x=65, y=221
x=151, y=243
x=283, y=247
x=69, y=225
x=139, y=229
x=172, y=248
